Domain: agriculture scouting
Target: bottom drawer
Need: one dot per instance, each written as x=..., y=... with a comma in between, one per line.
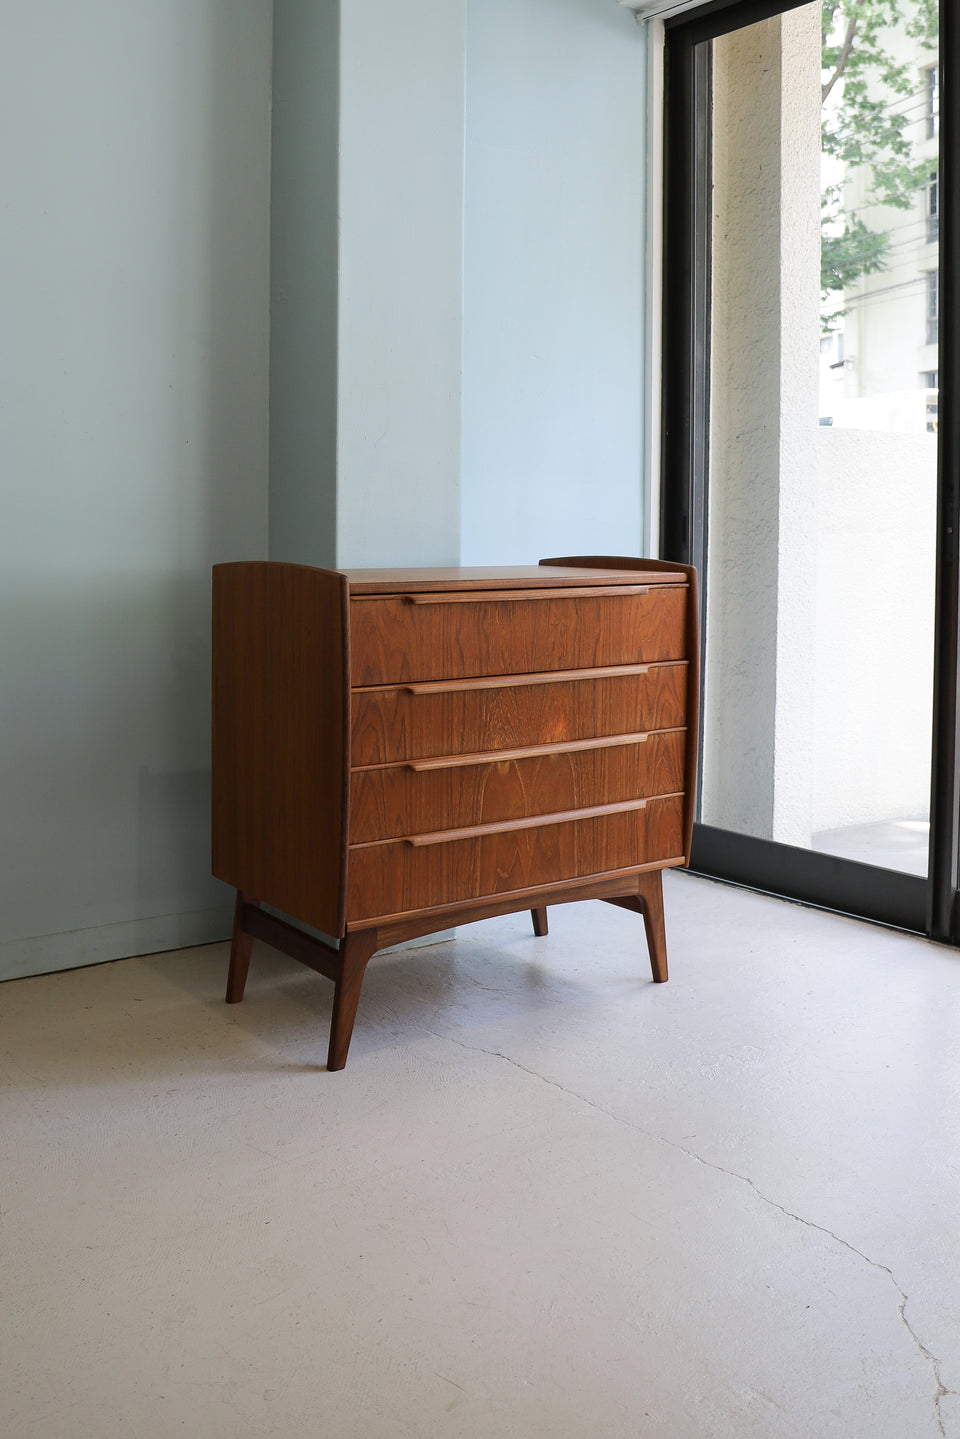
x=398, y=877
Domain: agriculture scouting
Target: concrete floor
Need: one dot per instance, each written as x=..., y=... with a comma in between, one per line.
x=901, y=844
x=545, y=1198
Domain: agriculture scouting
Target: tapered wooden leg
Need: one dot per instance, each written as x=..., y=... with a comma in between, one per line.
x=539, y=922
x=355, y=951
x=241, y=946
x=651, y=907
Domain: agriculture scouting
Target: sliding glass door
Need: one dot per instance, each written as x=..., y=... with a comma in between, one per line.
x=809, y=466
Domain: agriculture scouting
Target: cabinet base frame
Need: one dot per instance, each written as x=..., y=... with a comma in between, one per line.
x=639, y=891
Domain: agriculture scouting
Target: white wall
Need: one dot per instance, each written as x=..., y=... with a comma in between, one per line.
x=741, y=659
x=553, y=280
x=874, y=582
x=758, y=752
x=133, y=448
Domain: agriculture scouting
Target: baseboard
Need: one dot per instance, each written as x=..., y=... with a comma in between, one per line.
x=47, y=953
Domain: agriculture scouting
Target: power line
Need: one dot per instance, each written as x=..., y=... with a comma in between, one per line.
x=915, y=222
x=915, y=100
x=889, y=292
x=912, y=192
x=897, y=249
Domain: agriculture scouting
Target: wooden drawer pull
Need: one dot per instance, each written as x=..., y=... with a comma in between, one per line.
x=454, y=761
x=536, y=821
x=500, y=682
x=485, y=597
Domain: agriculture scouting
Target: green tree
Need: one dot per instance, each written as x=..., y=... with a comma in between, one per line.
x=867, y=127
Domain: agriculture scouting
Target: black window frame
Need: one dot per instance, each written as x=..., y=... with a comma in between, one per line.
x=927, y=905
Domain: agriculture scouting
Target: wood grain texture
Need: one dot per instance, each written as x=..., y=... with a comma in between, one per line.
x=241, y=947
x=305, y=948
x=533, y=751
x=692, y=766
x=398, y=928
x=529, y=594
x=355, y=952
x=394, y=641
x=688, y=573
x=396, y=801
x=390, y=878
x=648, y=902
x=506, y=753
x=280, y=701
x=393, y=724
x=651, y=903
x=541, y=677
x=534, y=821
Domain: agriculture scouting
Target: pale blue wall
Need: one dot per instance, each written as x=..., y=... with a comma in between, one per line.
x=401, y=281
x=134, y=435
x=553, y=287
x=367, y=281
x=133, y=448
x=304, y=261
x=501, y=228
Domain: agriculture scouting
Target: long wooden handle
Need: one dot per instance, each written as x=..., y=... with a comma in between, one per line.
x=535, y=821
x=542, y=677
x=527, y=752
x=483, y=597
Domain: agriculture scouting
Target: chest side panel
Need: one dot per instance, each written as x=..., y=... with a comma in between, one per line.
x=280, y=737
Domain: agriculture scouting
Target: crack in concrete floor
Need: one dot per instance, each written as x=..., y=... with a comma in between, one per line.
x=941, y=1390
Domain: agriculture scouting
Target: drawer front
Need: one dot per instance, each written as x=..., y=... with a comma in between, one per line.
x=398, y=638
x=399, y=800
x=398, y=724
x=397, y=877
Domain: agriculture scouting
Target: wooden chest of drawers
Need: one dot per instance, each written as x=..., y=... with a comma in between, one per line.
x=396, y=752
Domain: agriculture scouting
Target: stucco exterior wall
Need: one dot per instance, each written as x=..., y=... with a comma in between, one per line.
x=740, y=679
x=821, y=572
x=874, y=577
x=763, y=492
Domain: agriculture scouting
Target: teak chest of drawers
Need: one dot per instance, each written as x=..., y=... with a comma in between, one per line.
x=399, y=751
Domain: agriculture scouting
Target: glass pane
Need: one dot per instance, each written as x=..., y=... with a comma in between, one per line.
x=823, y=433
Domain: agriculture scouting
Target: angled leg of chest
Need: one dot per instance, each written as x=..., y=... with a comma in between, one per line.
x=355, y=951
x=649, y=903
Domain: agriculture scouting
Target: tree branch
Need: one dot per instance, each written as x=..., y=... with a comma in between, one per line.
x=843, y=57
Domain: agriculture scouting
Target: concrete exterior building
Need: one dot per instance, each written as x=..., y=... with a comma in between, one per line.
x=880, y=365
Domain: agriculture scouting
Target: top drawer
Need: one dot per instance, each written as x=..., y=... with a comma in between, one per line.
x=448, y=635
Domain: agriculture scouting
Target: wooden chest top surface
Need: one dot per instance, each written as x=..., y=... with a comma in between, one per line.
x=374, y=582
